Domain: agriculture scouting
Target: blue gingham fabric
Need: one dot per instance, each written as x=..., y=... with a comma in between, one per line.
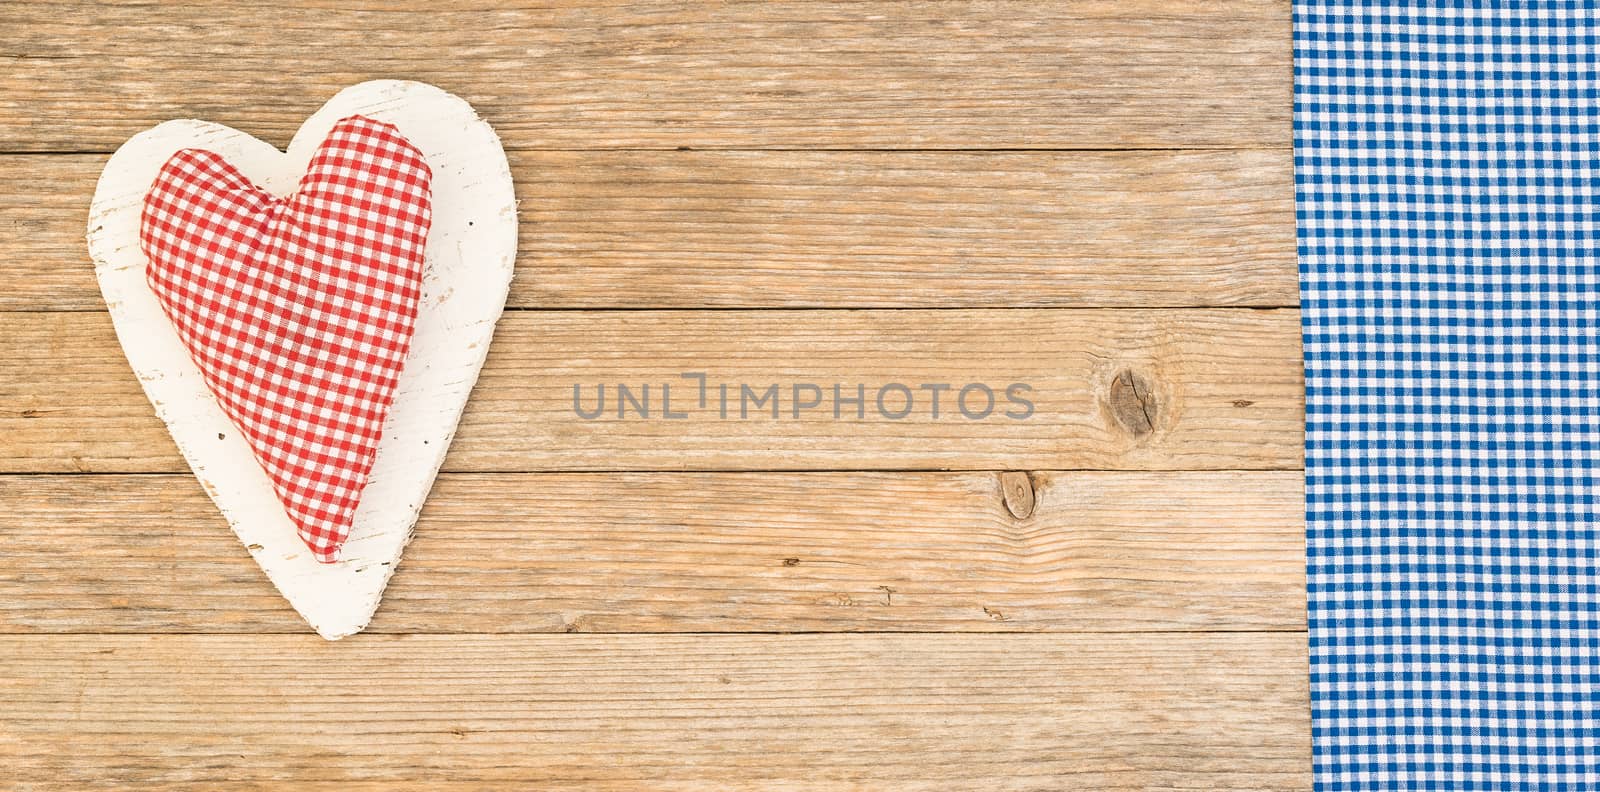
x=1448, y=204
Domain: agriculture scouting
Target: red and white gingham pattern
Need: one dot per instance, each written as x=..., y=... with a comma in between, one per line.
x=298, y=311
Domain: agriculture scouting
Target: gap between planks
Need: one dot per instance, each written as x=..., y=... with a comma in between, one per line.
x=1284, y=149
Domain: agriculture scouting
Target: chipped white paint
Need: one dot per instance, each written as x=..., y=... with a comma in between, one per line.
x=470, y=255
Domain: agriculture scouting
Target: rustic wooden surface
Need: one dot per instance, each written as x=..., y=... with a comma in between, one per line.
x=715, y=552
x=676, y=229
x=1092, y=197
x=1223, y=392
x=925, y=711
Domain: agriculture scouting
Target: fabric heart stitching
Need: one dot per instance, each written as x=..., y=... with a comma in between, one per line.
x=298, y=311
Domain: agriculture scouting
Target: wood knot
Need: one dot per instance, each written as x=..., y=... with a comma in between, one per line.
x=1016, y=488
x=1132, y=400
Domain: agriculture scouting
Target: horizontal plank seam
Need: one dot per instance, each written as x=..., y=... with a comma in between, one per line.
x=721, y=471
x=791, y=149
x=707, y=633
x=799, y=308
x=812, y=308
x=713, y=471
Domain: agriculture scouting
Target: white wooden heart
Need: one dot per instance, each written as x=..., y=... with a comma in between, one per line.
x=468, y=263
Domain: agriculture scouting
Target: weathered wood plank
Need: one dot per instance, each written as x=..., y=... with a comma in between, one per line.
x=1092, y=74
x=1110, y=389
x=908, y=712
x=625, y=229
x=672, y=552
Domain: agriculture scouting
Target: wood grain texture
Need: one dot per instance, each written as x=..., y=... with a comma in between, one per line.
x=1024, y=622
x=910, y=712
x=665, y=552
x=620, y=229
x=1214, y=389
x=598, y=74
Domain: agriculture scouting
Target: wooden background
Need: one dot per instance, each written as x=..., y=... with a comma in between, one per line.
x=1093, y=197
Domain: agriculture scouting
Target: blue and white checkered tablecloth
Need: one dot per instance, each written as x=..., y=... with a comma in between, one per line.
x=1448, y=204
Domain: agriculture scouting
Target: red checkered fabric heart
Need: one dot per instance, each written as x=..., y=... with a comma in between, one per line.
x=298, y=311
